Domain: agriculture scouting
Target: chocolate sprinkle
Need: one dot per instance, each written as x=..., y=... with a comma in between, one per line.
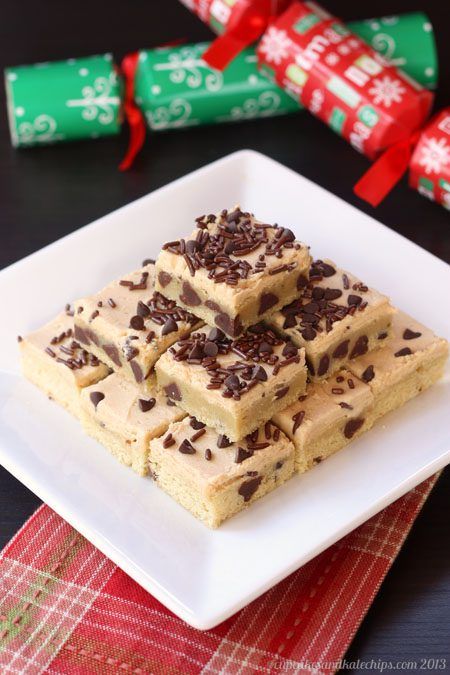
x=208, y=455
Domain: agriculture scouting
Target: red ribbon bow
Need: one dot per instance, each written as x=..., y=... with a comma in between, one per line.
x=385, y=173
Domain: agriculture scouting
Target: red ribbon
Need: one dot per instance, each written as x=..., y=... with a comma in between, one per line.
x=385, y=173
x=133, y=114
x=243, y=29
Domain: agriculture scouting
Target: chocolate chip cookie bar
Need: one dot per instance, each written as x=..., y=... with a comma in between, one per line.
x=412, y=361
x=344, y=406
x=214, y=478
x=116, y=414
x=336, y=318
x=128, y=324
x=327, y=418
x=56, y=363
x=233, y=386
x=233, y=271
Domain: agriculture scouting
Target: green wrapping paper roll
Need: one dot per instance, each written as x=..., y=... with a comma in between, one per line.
x=175, y=88
x=406, y=40
x=63, y=100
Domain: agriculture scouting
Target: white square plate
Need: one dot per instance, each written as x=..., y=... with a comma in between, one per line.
x=205, y=576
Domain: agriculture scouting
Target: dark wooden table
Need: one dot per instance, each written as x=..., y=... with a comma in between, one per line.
x=46, y=193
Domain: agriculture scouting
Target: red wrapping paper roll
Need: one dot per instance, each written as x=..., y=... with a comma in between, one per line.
x=341, y=80
x=238, y=23
x=429, y=170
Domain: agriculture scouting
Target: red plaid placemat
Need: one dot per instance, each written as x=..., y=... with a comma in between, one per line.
x=65, y=608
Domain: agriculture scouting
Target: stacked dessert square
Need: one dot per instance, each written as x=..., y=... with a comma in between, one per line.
x=232, y=363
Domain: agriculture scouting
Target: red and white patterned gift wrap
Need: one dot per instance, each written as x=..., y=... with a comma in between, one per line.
x=237, y=22
x=429, y=171
x=341, y=80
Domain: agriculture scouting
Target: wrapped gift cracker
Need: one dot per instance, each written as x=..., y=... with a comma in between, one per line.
x=341, y=80
x=237, y=22
x=425, y=154
x=63, y=100
x=429, y=170
x=406, y=41
x=174, y=88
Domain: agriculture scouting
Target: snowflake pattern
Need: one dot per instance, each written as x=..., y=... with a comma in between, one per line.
x=332, y=59
x=435, y=155
x=275, y=45
x=387, y=91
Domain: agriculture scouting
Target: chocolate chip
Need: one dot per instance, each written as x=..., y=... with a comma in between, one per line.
x=210, y=304
x=352, y=427
x=354, y=300
x=258, y=373
x=302, y=281
x=298, y=419
x=289, y=350
x=266, y=301
x=265, y=348
x=383, y=335
x=368, y=374
x=232, y=327
x=308, y=333
x=196, y=424
x=96, y=397
x=186, y=448
x=210, y=348
x=232, y=382
x=168, y=441
x=172, y=390
x=170, y=326
x=148, y=261
x=409, y=334
x=310, y=307
x=164, y=278
x=341, y=350
x=137, y=322
x=137, y=371
x=360, y=347
x=113, y=353
x=403, y=352
x=242, y=454
x=142, y=309
x=146, y=405
x=248, y=488
x=189, y=296
x=332, y=294
x=278, y=466
x=324, y=364
x=208, y=455
x=129, y=351
x=216, y=335
x=223, y=441
x=281, y=393
x=81, y=335
x=191, y=246
x=196, y=352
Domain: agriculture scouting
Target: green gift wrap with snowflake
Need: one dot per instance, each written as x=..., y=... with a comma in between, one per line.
x=175, y=88
x=63, y=100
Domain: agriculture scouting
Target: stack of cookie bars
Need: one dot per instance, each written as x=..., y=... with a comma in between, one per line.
x=231, y=363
